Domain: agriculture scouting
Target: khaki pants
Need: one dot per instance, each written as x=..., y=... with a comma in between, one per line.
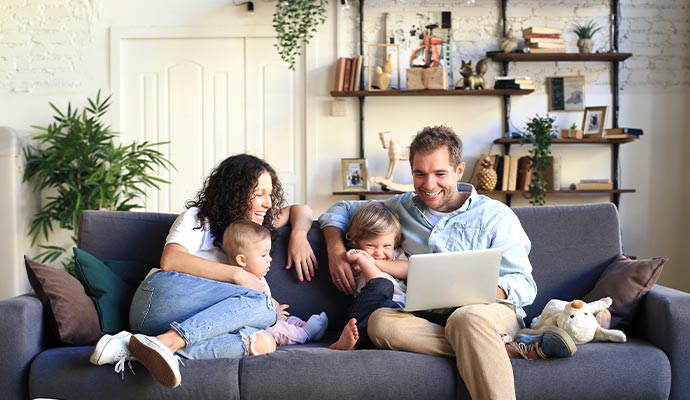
x=474, y=335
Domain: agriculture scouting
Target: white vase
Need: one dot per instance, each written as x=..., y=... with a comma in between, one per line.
x=585, y=45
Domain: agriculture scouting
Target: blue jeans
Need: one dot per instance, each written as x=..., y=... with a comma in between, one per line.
x=214, y=318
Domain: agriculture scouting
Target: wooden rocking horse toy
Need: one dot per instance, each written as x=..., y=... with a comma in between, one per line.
x=396, y=152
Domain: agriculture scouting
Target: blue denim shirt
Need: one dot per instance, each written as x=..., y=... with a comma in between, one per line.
x=479, y=223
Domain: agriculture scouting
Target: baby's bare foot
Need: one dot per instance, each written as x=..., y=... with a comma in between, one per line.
x=348, y=338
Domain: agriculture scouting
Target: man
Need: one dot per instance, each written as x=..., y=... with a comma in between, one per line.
x=443, y=215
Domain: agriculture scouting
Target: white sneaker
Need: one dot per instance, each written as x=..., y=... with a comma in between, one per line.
x=111, y=349
x=161, y=362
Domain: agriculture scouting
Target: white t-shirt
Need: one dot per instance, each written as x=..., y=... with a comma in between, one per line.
x=198, y=242
x=399, y=286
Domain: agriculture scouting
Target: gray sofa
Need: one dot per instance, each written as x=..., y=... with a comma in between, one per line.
x=571, y=245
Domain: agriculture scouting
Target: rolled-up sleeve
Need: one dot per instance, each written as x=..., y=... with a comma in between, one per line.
x=339, y=214
x=515, y=277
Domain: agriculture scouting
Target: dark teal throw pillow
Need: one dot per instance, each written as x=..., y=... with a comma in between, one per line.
x=111, y=285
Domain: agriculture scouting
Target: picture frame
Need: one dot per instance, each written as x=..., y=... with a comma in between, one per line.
x=593, y=122
x=355, y=176
x=566, y=93
x=377, y=55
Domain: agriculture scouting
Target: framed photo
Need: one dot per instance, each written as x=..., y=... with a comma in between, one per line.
x=355, y=174
x=593, y=122
x=566, y=93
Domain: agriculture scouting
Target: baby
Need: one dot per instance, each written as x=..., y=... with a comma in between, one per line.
x=248, y=245
x=375, y=237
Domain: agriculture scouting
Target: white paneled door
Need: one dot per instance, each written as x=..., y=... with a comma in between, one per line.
x=210, y=95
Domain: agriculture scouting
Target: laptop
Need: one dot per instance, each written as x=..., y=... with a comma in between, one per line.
x=446, y=280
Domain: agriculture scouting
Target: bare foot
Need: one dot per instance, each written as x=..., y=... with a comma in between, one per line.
x=261, y=342
x=348, y=338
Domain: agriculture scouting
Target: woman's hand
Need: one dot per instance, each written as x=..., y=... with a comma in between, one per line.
x=302, y=256
x=248, y=280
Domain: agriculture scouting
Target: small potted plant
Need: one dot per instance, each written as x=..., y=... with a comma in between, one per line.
x=538, y=134
x=585, y=32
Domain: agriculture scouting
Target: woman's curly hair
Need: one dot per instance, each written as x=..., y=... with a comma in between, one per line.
x=226, y=193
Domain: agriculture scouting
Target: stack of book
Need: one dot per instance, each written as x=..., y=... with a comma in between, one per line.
x=543, y=40
x=347, y=73
x=514, y=82
x=622, y=133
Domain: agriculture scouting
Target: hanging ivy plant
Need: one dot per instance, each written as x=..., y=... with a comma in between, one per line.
x=538, y=134
x=295, y=22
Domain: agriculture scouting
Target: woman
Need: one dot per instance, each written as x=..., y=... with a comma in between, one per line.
x=197, y=305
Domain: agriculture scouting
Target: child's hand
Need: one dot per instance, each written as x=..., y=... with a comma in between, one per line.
x=282, y=314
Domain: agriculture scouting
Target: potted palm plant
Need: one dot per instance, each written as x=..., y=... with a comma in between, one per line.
x=585, y=33
x=76, y=162
x=538, y=134
x=295, y=22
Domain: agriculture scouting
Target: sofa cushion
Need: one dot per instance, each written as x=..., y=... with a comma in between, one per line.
x=111, y=285
x=70, y=313
x=626, y=281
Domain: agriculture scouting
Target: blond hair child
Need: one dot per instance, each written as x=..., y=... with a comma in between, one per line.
x=379, y=266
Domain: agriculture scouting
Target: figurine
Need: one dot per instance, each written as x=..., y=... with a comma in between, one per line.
x=395, y=151
x=473, y=79
x=384, y=74
x=509, y=43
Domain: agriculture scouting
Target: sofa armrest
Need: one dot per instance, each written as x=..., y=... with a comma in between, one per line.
x=663, y=319
x=21, y=340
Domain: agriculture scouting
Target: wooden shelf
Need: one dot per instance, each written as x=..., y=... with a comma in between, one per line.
x=571, y=141
x=525, y=57
x=404, y=93
x=562, y=191
x=511, y=192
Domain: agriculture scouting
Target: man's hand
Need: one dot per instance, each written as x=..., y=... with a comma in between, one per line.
x=302, y=255
x=339, y=268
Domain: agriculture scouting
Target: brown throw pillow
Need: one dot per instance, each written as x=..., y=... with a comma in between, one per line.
x=626, y=281
x=70, y=313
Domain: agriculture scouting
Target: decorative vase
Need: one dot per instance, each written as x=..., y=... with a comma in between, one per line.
x=585, y=45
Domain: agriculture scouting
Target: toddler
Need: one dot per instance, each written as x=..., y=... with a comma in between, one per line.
x=375, y=237
x=248, y=245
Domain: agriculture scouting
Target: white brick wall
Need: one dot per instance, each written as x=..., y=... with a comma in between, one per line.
x=656, y=32
x=42, y=43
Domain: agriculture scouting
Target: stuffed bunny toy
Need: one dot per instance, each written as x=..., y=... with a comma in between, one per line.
x=582, y=321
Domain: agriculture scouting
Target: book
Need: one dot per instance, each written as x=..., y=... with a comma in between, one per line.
x=339, y=74
x=506, y=172
x=358, y=72
x=511, y=85
x=592, y=186
x=351, y=77
x=498, y=165
x=512, y=177
x=538, y=50
x=541, y=36
x=540, y=45
x=346, y=75
x=540, y=30
x=540, y=40
x=518, y=79
x=552, y=173
x=623, y=131
x=524, y=174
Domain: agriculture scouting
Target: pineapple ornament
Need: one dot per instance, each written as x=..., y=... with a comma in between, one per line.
x=486, y=177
